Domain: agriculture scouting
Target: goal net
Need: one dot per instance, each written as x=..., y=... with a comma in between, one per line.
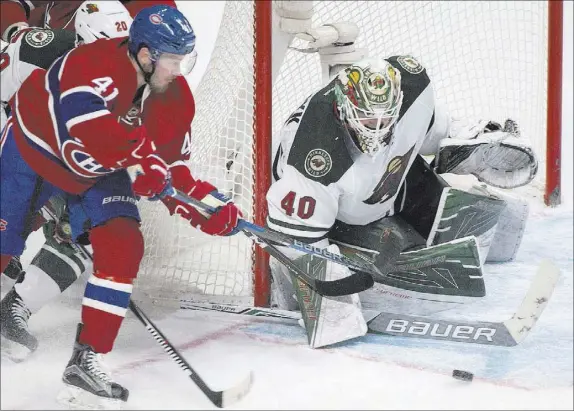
x=487, y=60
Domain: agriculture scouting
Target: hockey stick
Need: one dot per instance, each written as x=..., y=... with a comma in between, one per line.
x=239, y=310
x=276, y=313
x=220, y=399
x=506, y=333
x=360, y=280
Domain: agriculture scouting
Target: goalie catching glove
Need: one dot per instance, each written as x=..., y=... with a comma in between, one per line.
x=496, y=155
x=223, y=222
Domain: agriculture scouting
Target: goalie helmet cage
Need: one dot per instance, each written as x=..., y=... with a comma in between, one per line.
x=487, y=59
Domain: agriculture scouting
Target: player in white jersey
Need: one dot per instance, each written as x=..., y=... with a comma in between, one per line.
x=349, y=175
x=29, y=49
x=33, y=48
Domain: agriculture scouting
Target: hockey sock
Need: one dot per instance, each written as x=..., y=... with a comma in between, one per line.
x=118, y=249
x=104, y=307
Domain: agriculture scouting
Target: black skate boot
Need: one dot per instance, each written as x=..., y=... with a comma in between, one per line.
x=17, y=342
x=88, y=384
x=12, y=274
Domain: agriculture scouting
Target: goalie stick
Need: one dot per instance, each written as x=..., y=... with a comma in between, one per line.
x=220, y=399
x=360, y=280
x=506, y=333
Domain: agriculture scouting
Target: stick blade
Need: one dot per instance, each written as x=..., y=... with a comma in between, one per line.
x=236, y=393
x=534, y=302
x=353, y=284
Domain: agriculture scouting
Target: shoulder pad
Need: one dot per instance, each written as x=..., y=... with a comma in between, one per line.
x=319, y=151
x=414, y=79
x=41, y=47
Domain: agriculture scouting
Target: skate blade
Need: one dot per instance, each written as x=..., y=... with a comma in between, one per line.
x=78, y=399
x=13, y=351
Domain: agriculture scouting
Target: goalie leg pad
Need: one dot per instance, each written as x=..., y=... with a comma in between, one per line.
x=282, y=291
x=510, y=228
x=384, y=239
x=461, y=214
x=328, y=320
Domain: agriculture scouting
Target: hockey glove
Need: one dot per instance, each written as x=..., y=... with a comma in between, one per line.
x=222, y=223
x=151, y=177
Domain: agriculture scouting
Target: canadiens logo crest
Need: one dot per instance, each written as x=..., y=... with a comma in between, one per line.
x=318, y=163
x=132, y=118
x=155, y=19
x=80, y=162
x=39, y=38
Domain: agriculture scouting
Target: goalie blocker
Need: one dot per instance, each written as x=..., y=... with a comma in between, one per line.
x=431, y=250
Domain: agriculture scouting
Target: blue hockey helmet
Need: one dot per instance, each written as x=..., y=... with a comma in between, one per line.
x=162, y=29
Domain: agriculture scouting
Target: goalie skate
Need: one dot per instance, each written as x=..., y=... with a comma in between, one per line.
x=88, y=385
x=17, y=342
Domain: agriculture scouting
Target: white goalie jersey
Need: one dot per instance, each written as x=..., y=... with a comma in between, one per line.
x=321, y=176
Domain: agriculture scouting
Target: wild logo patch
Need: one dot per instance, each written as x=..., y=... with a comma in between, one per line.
x=318, y=163
x=39, y=38
x=378, y=89
x=92, y=8
x=410, y=64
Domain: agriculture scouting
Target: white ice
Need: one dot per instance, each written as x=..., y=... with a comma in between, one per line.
x=374, y=372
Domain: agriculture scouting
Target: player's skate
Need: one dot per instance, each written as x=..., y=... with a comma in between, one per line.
x=88, y=385
x=17, y=342
x=12, y=274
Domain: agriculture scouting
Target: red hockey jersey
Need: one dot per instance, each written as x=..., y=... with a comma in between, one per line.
x=69, y=116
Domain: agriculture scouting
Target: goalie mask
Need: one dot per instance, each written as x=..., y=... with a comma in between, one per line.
x=369, y=100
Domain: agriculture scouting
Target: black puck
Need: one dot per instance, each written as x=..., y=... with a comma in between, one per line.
x=462, y=375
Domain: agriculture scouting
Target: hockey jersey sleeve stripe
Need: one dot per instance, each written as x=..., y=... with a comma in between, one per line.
x=85, y=117
x=81, y=89
x=305, y=233
x=297, y=226
x=82, y=104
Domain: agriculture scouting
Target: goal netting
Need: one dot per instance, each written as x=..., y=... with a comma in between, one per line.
x=487, y=59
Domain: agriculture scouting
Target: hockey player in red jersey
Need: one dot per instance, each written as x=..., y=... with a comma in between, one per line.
x=33, y=47
x=58, y=263
x=66, y=139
